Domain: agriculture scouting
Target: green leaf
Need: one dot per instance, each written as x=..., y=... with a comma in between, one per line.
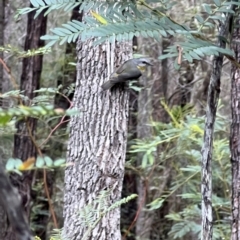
x=144, y=161
x=199, y=52
x=156, y=204
x=199, y=19
x=72, y=111
x=18, y=162
x=230, y=3
x=34, y=3
x=59, y=162
x=40, y=162
x=207, y=8
x=63, y=40
x=217, y=17
x=48, y=161
x=188, y=57
x=217, y=3
x=10, y=165
x=176, y=65
x=225, y=10
x=194, y=55
x=169, y=55
x=5, y=119
x=58, y=32
x=151, y=159
x=49, y=37
x=50, y=44
x=40, y=2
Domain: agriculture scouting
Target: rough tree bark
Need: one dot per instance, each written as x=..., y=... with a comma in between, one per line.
x=212, y=102
x=56, y=148
x=234, y=137
x=3, y=216
x=97, y=145
x=2, y=9
x=11, y=203
x=30, y=81
x=23, y=145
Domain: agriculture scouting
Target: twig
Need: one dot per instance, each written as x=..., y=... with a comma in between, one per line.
x=14, y=83
x=44, y=177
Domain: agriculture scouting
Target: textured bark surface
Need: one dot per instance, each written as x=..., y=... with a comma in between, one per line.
x=11, y=203
x=97, y=145
x=55, y=148
x=30, y=79
x=212, y=102
x=3, y=216
x=2, y=9
x=235, y=138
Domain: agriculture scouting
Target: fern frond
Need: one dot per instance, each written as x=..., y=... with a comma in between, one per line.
x=22, y=54
x=118, y=28
x=49, y=5
x=194, y=48
x=121, y=201
x=24, y=111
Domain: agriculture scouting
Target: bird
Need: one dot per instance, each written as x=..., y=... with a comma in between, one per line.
x=129, y=70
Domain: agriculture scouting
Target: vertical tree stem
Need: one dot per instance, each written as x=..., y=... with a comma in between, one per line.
x=212, y=101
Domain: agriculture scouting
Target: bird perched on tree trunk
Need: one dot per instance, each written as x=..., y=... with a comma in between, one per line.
x=129, y=70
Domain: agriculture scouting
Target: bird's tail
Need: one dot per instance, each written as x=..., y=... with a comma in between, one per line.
x=107, y=85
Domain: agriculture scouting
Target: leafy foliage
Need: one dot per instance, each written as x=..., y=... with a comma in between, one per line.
x=182, y=141
x=111, y=21
x=19, y=53
x=16, y=165
x=39, y=106
x=92, y=213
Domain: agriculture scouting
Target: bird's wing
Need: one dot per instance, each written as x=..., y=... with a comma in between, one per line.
x=134, y=73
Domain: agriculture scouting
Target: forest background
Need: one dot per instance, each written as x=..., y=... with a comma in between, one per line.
x=186, y=185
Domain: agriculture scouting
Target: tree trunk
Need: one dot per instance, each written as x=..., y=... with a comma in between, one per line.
x=55, y=148
x=23, y=144
x=234, y=137
x=144, y=131
x=30, y=81
x=212, y=102
x=97, y=145
x=11, y=203
x=3, y=216
x=2, y=9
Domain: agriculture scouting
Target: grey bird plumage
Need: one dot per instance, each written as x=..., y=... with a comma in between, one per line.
x=129, y=70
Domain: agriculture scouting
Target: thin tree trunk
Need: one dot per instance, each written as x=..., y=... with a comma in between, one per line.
x=97, y=145
x=212, y=102
x=30, y=79
x=56, y=148
x=3, y=216
x=144, y=131
x=2, y=9
x=235, y=137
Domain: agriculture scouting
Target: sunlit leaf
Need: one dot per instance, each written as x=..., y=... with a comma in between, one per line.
x=27, y=164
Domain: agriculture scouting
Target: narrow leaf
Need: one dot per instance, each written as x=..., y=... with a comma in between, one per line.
x=99, y=17
x=59, y=162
